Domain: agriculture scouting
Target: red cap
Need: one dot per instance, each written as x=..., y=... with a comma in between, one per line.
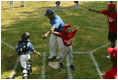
x=112, y=51
x=111, y=5
x=65, y=27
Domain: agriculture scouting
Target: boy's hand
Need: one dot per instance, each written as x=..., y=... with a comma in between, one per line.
x=79, y=27
x=38, y=53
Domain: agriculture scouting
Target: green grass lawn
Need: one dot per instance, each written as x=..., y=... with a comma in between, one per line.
x=32, y=17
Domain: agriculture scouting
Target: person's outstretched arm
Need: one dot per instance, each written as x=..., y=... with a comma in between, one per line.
x=78, y=27
x=48, y=33
x=38, y=53
x=93, y=10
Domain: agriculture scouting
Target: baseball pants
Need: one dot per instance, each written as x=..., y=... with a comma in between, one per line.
x=67, y=50
x=55, y=40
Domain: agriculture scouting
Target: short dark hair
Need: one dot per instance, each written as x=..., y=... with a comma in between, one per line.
x=52, y=13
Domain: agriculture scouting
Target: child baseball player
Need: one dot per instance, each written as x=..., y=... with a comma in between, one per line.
x=67, y=37
x=24, y=49
x=77, y=5
x=112, y=73
x=57, y=6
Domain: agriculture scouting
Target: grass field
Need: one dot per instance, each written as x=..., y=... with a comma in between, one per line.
x=31, y=18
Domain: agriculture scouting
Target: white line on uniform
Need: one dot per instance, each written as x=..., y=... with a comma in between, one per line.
x=96, y=65
x=43, y=66
x=16, y=63
x=68, y=69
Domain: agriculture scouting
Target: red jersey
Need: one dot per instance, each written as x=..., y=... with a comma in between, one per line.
x=112, y=73
x=112, y=20
x=67, y=38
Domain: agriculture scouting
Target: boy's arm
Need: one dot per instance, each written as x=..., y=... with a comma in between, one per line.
x=17, y=47
x=93, y=10
x=78, y=27
x=31, y=48
x=38, y=53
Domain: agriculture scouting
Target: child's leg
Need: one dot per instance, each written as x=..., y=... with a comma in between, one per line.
x=23, y=66
x=70, y=56
x=56, y=8
x=29, y=65
x=59, y=7
x=75, y=6
x=11, y=4
x=65, y=53
x=22, y=3
x=79, y=6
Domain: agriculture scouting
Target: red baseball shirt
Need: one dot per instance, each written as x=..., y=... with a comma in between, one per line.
x=67, y=38
x=112, y=20
x=112, y=73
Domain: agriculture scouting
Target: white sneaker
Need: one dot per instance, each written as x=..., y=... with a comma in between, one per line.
x=108, y=56
x=58, y=57
x=51, y=57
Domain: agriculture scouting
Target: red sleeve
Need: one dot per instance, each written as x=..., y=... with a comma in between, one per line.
x=74, y=31
x=60, y=34
x=105, y=12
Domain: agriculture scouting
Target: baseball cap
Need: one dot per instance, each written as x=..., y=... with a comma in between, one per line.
x=111, y=5
x=112, y=51
x=48, y=12
x=65, y=27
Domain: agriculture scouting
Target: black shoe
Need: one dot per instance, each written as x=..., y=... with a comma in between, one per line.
x=61, y=65
x=72, y=67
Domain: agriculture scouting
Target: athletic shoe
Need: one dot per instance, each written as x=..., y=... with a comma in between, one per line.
x=61, y=65
x=72, y=67
x=51, y=57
